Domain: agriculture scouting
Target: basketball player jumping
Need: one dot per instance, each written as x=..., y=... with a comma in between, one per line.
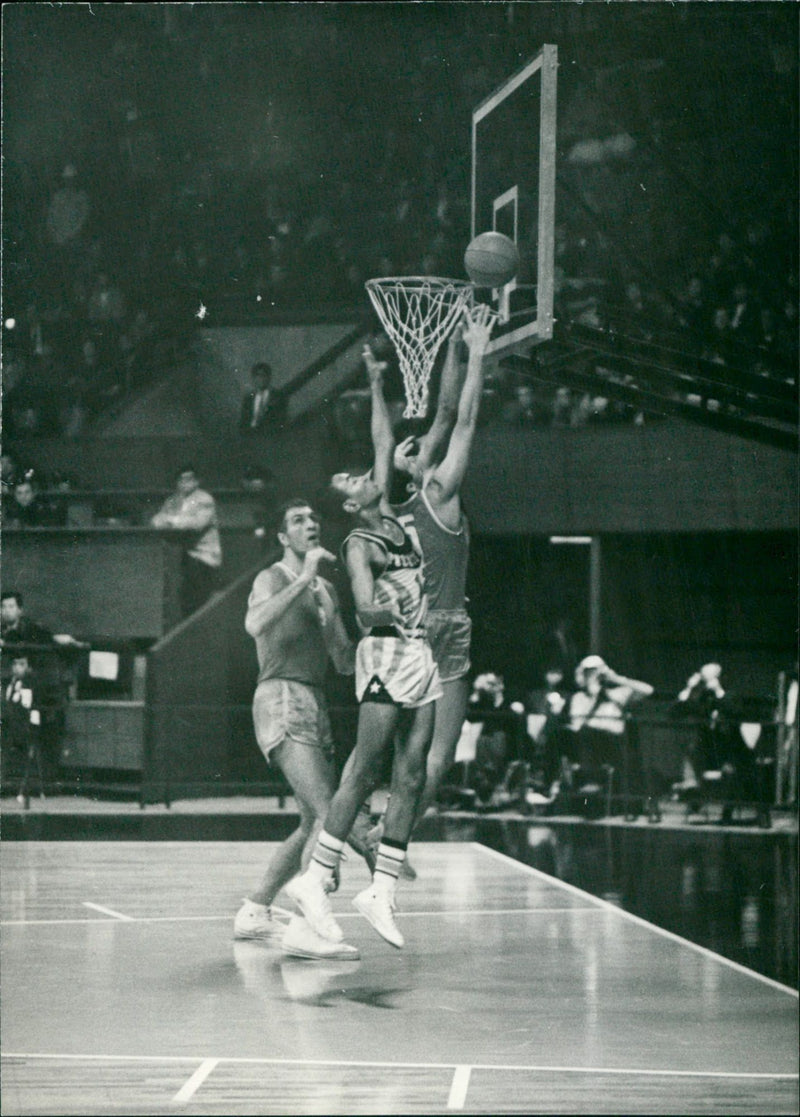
x=397, y=684
x=435, y=519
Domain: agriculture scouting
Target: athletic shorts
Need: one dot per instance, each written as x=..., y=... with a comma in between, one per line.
x=400, y=672
x=283, y=708
x=449, y=632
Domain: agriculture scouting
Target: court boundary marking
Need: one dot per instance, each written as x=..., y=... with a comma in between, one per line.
x=543, y=1068
x=608, y=906
x=596, y=903
x=459, y=1083
x=203, y=1067
x=119, y=918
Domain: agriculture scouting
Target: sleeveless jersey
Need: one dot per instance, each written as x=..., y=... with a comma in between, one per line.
x=401, y=584
x=445, y=552
x=293, y=647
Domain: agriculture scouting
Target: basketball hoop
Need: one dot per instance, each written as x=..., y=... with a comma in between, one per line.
x=417, y=313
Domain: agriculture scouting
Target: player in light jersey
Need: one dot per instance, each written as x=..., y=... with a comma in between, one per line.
x=293, y=616
x=397, y=684
x=435, y=518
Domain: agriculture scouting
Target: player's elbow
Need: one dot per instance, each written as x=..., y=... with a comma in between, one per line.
x=364, y=613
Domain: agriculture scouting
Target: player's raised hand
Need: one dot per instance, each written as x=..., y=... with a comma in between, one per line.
x=313, y=558
x=405, y=453
x=375, y=368
x=478, y=325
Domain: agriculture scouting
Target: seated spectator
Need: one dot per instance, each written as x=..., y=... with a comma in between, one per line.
x=17, y=628
x=597, y=722
x=561, y=408
x=525, y=409
x=190, y=514
x=716, y=756
x=12, y=472
x=546, y=708
x=25, y=508
x=44, y=653
x=488, y=695
x=500, y=743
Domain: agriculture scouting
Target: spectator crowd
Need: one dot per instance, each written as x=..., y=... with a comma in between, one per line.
x=111, y=248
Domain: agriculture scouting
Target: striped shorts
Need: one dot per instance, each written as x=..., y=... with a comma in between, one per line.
x=401, y=672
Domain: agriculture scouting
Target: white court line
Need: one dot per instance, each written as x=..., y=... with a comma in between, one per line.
x=108, y=911
x=189, y=1088
x=608, y=906
x=458, y=1088
x=283, y=911
x=116, y=918
x=254, y=1060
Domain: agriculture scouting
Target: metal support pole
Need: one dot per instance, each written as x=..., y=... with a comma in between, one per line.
x=595, y=591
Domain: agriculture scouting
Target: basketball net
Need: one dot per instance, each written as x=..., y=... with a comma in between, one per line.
x=417, y=313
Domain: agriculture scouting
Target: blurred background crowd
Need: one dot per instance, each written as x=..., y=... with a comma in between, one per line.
x=173, y=166
x=247, y=173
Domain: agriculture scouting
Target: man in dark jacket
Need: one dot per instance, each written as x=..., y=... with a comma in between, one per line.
x=263, y=407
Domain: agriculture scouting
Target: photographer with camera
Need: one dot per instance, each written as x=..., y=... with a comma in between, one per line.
x=716, y=756
x=598, y=720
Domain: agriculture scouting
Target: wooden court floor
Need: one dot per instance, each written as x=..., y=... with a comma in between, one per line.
x=123, y=992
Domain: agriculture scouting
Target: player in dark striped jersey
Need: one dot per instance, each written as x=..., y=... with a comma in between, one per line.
x=397, y=684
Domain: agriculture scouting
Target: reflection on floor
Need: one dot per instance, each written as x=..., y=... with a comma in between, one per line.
x=731, y=891
x=125, y=993
x=732, y=888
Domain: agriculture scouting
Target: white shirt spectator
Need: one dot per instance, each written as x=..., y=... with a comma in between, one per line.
x=195, y=511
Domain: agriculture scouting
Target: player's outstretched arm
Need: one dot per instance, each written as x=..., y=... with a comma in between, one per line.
x=433, y=443
x=380, y=422
x=449, y=474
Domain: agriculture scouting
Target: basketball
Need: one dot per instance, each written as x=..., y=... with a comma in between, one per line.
x=491, y=260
